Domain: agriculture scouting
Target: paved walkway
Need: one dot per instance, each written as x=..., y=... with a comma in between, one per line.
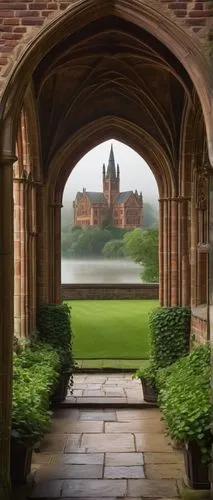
x=116, y=388
x=106, y=454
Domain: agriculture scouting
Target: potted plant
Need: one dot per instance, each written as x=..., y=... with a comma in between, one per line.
x=35, y=375
x=147, y=377
x=185, y=401
x=54, y=327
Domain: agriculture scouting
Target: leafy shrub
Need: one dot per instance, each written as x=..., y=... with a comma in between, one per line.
x=185, y=399
x=35, y=375
x=170, y=332
x=54, y=327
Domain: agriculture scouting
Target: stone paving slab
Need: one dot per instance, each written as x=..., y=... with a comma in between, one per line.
x=135, y=426
x=134, y=471
x=78, y=427
x=105, y=453
x=126, y=415
x=82, y=458
x=109, y=416
x=95, y=487
x=151, y=488
x=71, y=471
x=108, y=442
x=152, y=442
x=163, y=471
x=130, y=459
x=173, y=457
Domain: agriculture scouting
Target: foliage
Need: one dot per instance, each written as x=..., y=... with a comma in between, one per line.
x=148, y=373
x=150, y=215
x=170, y=331
x=142, y=247
x=54, y=327
x=35, y=375
x=114, y=249
x=87, y=242
x=185, y=399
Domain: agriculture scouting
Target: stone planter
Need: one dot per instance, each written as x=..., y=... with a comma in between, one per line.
x=149, y=392
x=196, y=471
x=20, y=462
x=60, y=392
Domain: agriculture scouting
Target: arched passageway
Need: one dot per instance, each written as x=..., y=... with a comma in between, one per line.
x=122, y=69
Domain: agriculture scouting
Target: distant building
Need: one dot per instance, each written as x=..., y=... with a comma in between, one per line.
x=124, y=210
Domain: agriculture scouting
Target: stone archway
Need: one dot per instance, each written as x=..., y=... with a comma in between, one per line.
x=131, y=62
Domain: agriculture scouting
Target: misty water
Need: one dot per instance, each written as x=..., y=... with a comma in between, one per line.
x=99, y=271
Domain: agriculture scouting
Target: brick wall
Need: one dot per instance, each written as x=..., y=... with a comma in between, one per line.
x=19, y=17
x=199, y=326
x=100, y=292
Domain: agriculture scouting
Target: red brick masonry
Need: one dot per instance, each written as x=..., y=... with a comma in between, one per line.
x=102, y=292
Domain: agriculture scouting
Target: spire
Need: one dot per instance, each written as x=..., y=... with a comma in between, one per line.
x=118, y=171
x=111, y=165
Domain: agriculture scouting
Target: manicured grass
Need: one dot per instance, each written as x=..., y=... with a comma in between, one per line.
x=111, y=329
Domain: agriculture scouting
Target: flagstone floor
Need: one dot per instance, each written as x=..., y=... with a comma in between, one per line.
x=106, y=453
x=115, y=388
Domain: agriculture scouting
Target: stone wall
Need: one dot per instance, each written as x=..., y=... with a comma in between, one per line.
x=100, y=292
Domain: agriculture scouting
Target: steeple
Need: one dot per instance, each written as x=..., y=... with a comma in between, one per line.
x=111, y=165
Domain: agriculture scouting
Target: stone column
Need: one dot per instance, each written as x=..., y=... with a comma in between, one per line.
x=6, y=314
x=174, y=253
x=193, y=253
x=185, y=264
x=31, y=254
x=55, y=257
x=161, y=252
x=165, y=252
x=42, y=257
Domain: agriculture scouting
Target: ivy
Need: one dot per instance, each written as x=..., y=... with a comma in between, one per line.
x=170, y=333
x=185, y=399
x=54, y=327
x=35, y=375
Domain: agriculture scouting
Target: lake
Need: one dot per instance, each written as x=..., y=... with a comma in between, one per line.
x=99, y=271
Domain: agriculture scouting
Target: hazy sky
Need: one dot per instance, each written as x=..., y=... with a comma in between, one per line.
x=134, y=172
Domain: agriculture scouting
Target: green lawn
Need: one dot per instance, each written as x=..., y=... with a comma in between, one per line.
x=111, y=329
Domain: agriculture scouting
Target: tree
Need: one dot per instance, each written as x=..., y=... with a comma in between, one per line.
x=114, y=249
x=90, y=242
x=150, y=215
x=142, y=247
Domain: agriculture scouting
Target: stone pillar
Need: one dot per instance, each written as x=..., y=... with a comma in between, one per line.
x=185, y=264
x=161, y=252
x=6, y=313
x=165, y=253
x=55, y=252
x=42, y=247
x=174, y=253
x=193, y=253
x=31, y=253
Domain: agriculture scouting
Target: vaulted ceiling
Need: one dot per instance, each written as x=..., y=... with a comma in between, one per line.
x=111, y=68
